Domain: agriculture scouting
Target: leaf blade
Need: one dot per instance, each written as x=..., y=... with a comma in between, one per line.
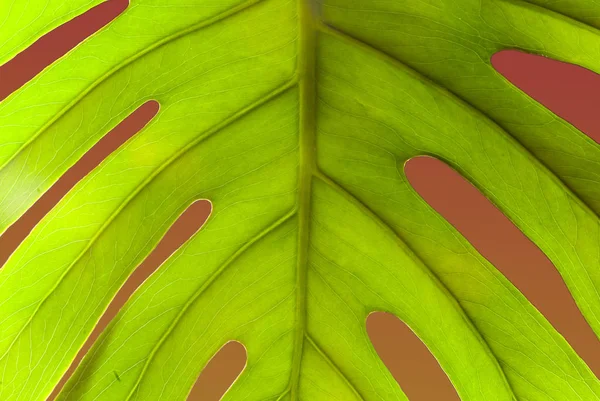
x=370, y=105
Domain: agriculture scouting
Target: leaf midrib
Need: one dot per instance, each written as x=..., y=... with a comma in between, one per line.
x=307, y=166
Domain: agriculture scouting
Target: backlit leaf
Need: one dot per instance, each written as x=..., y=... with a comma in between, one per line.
x=295, y=120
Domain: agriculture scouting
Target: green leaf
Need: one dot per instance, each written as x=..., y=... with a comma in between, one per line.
x=295, y=121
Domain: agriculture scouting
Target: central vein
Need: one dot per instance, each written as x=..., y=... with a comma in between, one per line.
x=306, y=74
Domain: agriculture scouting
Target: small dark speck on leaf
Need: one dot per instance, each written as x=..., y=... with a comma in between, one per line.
x=117, y=375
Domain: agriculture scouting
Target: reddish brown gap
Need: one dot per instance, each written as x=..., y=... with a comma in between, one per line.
x=55, y=44
x=220, y=373
x=507, y=248
x=17, y=232
x=184, y=227
x=415, y=369
x=569, y=90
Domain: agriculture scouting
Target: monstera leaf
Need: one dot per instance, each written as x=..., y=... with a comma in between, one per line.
x=295, y=121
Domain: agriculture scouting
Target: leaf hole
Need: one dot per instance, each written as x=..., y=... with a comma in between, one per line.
x=131, y=125
x=408, y=359
x=217, y=377
x=568, y=90
x=186, y=225
x=55, y=44
x=506, y=247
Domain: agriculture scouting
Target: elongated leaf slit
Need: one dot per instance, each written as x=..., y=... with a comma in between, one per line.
x=507, y=248
x=56, y=44
x=408, y=359
x=568, y=90
x=223, y=369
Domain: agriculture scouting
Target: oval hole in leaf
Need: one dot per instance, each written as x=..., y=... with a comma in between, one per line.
x=220, y=373
x=17, y=232
x=415, y=369
x=506, y=247
x=55, y=44
x=186, y=225
x=568, y=90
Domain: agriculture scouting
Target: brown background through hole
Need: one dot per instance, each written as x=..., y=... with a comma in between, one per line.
x=569, y=91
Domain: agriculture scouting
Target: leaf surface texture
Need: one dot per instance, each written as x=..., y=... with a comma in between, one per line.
x=295, y=121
